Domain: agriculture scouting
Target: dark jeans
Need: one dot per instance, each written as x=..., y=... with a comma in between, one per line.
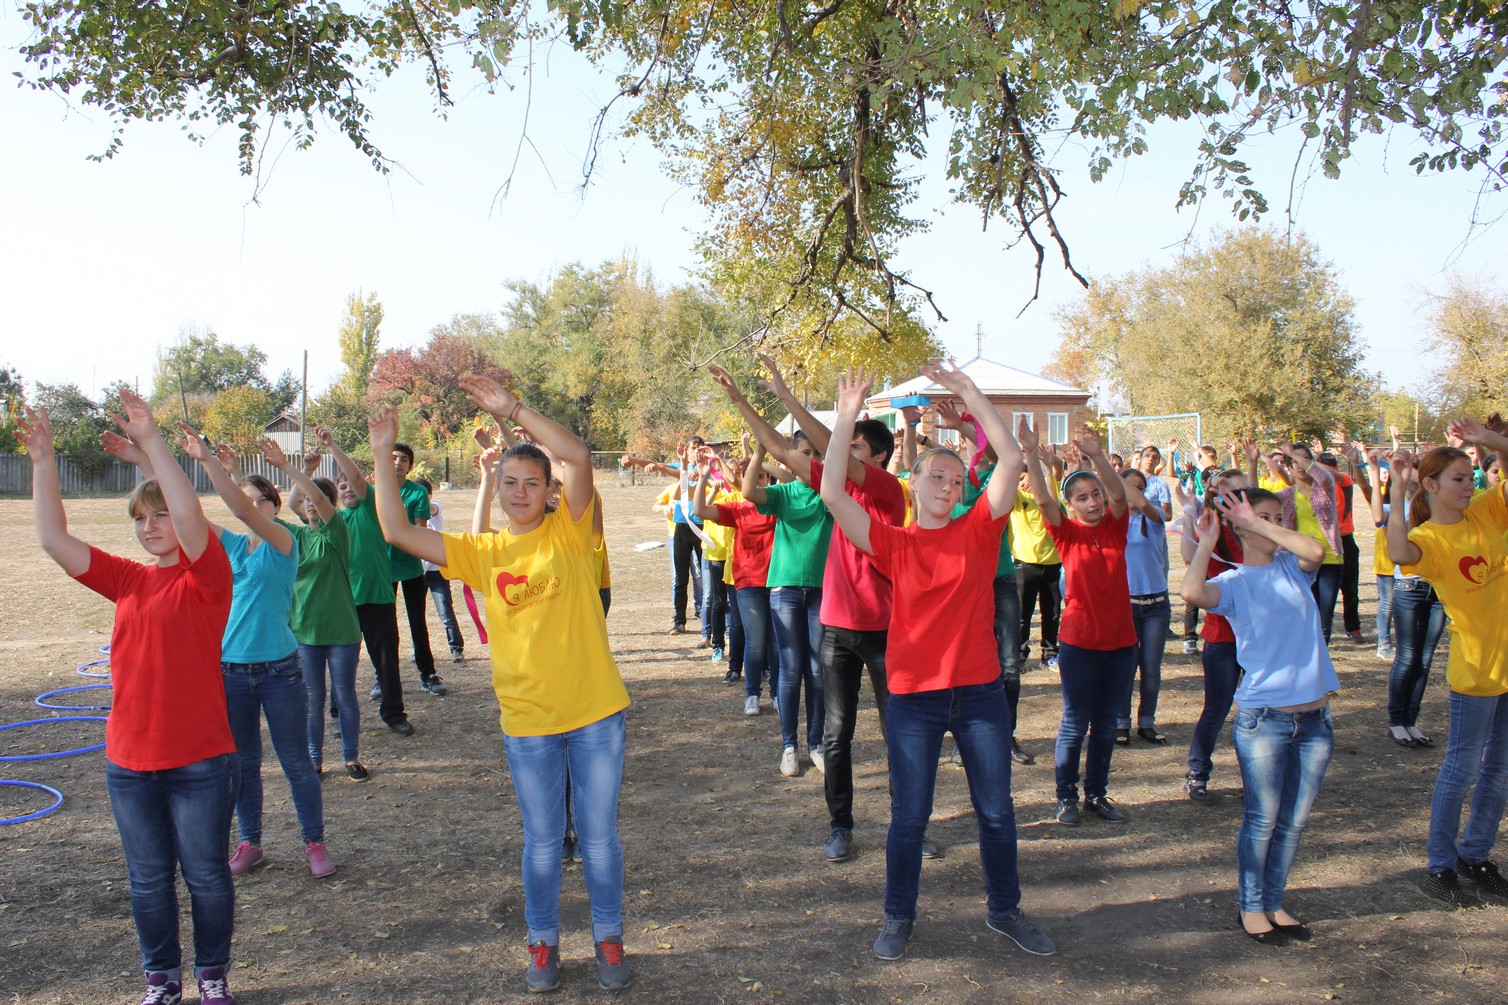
x=685, y=553
x=735, y=630
x=1221, y=675
x=1476, y=760
x=1093, y=681
x=714, y=602
x=1350, y=583
x=178, y=818
x=1151, y=622
x=1007, y=642
x=379, y=630
x=1038, y=586
x=414, y=592
x=445, y=607
x=1325, y=589
x=979, y=718
x=274, y=691
x=760, y=661
x=1418, y=621
x=798, y=635
x=1190, y=621
x=843, y=655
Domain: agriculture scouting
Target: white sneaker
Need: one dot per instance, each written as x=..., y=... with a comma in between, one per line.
x=789, y=766
x=1385, y=653
x=817, y=760
x=751, y=705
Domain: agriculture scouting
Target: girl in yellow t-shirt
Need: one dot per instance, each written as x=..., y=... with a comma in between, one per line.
x=1456, y=541
x=558, y=688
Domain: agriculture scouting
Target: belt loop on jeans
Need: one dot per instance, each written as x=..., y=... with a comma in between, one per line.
x=1147, y=599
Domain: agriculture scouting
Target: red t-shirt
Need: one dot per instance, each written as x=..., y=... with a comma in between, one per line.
x=1344, y=498
x=943, y=634
x=1097, y=608
x=1216, y=628
x=854, y=594
x=753, y=539
x=169, y=706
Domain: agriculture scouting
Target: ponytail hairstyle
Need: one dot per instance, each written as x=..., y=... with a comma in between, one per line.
x=527, y=452
x=269, y=491
x=1431, y=465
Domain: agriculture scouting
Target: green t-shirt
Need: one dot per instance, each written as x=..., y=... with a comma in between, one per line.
x=324, y=613
x=416, y=504
x=803, y=528
x=971, y=493
x=371, y=573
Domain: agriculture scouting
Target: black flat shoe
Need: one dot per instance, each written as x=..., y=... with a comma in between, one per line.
x=1300, y=931
x=1406, y=742
x=1152, y=736
x=1271, y=937
x=1423, y=741
x=1123, y=736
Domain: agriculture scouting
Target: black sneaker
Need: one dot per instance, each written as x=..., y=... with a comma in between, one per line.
x=402, y=727
x=931, y=849
x=732, y=677
x=1102, y=807
x=1485, y=875
x=1068, y=812
x=1444, y=886
x=839, y=847
x=357, y=771
x=543, y=974
x=1198, y=791
x=435, y=686
x=457, y=656
x=894, y=934
x=1020, y=930
x=1020, y=756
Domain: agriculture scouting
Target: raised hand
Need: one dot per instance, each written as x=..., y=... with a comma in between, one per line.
x=1496, y=424
x=1465, y=430
x=1207, y=527
x=1317, y=445
x=912, y=414
x=746, y=444
x=853, y=388
x=948, y=415
x=137, y=422
x=949, y=376
x=1181, y=495
x=117, y=445
x=193, y=444
x=382, y=428
x=324, y=436
x=1237, y=510
x=1088, y=442
x=1252, y=451
x=485, y=393
x=273, y=454
x=311, y=462
x=35, y=427
x=776, y=384
x=483, y=436
x=1376, y=455
x=1230, y=448
x=1027, y=437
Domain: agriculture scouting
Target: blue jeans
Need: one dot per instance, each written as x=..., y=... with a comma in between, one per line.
x=172, y=819
x=341, y=661
x=735, y=630
x=1384, y=610
x=714, y=602
x=1326, y=588
x=1283, y=758
x=593, y=755
x=1008, y=640
x=1151, y=621
x=275, y=690
x=1093, y=681
x=445, y=607
x=1221, y=675
x=798, y=635
x=979, y=717
x=760, y=659
x=1418, y=621
x=1477, y=752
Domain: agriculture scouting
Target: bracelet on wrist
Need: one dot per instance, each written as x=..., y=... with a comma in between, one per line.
x=513, y=415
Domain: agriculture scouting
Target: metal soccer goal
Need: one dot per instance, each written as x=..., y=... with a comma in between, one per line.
x=1129, y=433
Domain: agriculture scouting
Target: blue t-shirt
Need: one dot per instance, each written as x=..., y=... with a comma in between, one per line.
x=1157, y=491
x=1278, y=638
x=261, y=607
x=1146, y=556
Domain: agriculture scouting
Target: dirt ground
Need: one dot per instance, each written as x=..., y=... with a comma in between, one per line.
x=728, y=896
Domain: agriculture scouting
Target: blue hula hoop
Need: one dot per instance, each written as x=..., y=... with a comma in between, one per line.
x=58, y=753
x=83, y=669
x=105, y=649
x=41, y=700
x=57, y=796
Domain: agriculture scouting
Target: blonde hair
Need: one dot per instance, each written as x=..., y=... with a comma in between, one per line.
x=146, y=494
x=924, y=463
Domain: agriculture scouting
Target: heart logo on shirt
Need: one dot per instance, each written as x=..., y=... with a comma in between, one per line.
x=1474, y=568
x=507, y=579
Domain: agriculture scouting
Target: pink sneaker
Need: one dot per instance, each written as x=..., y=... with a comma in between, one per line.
x=245, y=858
x=213, y=989
x=320, y=864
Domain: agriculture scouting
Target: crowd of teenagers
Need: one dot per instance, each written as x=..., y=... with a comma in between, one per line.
x=786, y=554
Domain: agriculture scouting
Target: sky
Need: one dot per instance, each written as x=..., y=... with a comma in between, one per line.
x=102, y=264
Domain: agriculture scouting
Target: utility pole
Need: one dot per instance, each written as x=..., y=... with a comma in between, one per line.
x=303, y=412
x=979, y=340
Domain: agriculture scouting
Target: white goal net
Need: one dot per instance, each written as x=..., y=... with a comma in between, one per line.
x=1129, y=433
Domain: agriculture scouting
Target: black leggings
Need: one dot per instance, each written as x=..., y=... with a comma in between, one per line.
x=1038, y=586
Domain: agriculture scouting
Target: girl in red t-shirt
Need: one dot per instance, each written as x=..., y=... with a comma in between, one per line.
x=942, y=664
x=170, y=759
x=1097, y=639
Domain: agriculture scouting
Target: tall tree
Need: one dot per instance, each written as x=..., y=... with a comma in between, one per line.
x=1469, y=337
x=424, y=379
x=1254, y=332
x=239, y=416
x=199, y=363
x=360, y=335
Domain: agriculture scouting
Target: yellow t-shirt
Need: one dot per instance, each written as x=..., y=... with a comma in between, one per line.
x=910, y=507
x=604, y=570
x=1029, y=540
x=1309, y=526
x=667, y=498
x=720, y=548
x=551, y=666
x=1467, y=564
x=1271, y=483
x=1382, y=565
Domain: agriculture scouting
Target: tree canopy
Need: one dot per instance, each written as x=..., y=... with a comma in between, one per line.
x=1469, y=340
x=1255, y=332
x=803, y=127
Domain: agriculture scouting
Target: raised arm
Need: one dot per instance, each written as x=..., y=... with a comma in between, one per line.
x=768, y=436
x=1116, y=490
x=1472, y=431
x=853, y=388
x=1253, y=454
x=119, y=447
x=481, y=510
x=241, y=505
x=421, y=542
x=570, y=450
x=1374, y=469
x=1278, y=471
x=751, y=489
x=349, y=469
x=805, y=421
x=1196, y=588
x=1239, y=512
x=303, y=483
x=699, y=504
x=1190, y=507
x=178, y=492
x=1001, y=491
x=1047, y=503
x=47, y=512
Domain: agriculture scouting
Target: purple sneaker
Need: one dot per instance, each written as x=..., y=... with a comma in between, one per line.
x=213, y=990
x=162, y=990
x=245, y=858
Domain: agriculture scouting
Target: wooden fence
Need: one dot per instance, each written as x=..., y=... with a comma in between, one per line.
x=118, y=477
